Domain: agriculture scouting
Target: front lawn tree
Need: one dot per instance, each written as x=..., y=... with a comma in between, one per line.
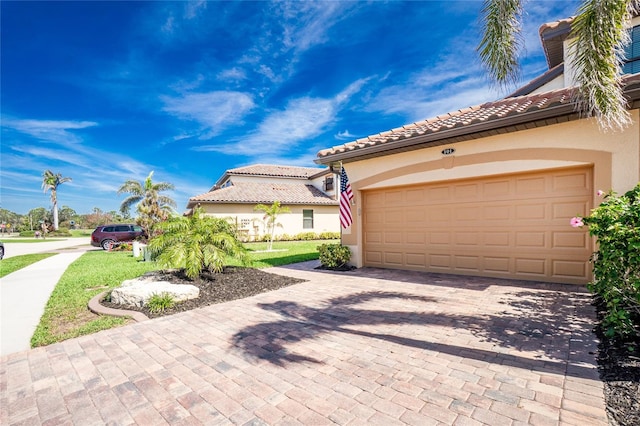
x=598, y=38
x=152, y=206
x=50, y=182
x=196, y=243
x=270, y=218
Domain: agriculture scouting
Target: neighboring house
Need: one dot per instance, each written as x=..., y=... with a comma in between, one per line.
x=308, y=192
x=490, y=190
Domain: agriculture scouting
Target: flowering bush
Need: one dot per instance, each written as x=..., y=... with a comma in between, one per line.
x=616, y=264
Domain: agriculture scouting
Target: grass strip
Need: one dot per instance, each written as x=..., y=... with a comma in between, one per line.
x=284, y=253
x=66, y=314
x=14, y=263
x=30, y=240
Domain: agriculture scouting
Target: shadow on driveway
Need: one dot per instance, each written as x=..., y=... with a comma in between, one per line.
x=535, y=326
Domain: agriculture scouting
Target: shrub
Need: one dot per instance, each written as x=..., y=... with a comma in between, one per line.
x=61, y=232
x=616, y=263
x=329, y=235
x=334, y=255
x=160, y=302
x=306, y=236
x=27, y=233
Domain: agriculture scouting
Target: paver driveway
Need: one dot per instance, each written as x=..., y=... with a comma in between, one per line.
x=365, y=347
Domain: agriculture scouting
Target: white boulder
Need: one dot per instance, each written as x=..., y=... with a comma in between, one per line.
x=138, y=291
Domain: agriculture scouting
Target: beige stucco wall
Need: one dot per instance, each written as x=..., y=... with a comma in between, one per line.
x=615, y=157
x=325, y=218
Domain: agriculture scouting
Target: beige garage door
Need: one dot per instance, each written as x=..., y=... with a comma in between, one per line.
x=512, y=226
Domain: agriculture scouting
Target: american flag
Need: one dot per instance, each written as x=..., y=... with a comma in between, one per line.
x=346, y=195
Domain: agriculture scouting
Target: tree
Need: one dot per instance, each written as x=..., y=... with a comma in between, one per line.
x=50, y=182
x=36, y=216
x=599, y=35
x=195, y=243
x=151, y=205
x=270, y=215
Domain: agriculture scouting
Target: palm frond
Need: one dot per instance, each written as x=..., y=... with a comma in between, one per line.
x=600, y=34
x=502, y=40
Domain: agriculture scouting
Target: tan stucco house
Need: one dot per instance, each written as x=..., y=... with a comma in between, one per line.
x=489, y=190
x=308, y=192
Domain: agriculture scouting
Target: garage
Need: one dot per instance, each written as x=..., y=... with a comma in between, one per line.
x=511, y=226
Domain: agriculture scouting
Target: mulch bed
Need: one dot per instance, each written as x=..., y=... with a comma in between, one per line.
x=231, y=284
x=620, y=371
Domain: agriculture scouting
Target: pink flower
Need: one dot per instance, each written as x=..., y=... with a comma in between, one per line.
x=600, y=192
x=576, y=222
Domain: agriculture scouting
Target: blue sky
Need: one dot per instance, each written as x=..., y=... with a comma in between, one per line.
x=103, y=92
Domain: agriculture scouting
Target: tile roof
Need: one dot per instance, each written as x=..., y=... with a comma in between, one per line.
x=276, y=171
x=504, y=115
x=258, y=192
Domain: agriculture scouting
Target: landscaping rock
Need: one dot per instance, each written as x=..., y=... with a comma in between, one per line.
x=138, y=291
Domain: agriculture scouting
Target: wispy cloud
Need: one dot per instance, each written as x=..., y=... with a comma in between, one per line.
x=213, y=111
x=48, y=130
x=344, y=136
x=302, y=119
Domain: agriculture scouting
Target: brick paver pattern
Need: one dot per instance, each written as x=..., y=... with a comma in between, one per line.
x=371, y=346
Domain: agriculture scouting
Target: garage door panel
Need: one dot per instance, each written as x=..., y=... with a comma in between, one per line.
x=416, y=260
x=500, y=265
x=570, y=269
x=531, y=185
x=570, y=240
x=438, y=194
x=393, y=258
x=439, y=238
x=514, y=226
x=570, y=182
x=498, y=189
x=537, y=211
x=468, y=263
x=467, y=239
x=497, y=212
x=497, y=238
x=530, y=266
x=416, y=237
x=531, y=239
x=565, y=210
x=393, y=237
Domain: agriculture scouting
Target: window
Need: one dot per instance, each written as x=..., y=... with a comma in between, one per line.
x=245, y=223
x=123, y=228
x=307, y=219
x=632, y=53
x=328, y=183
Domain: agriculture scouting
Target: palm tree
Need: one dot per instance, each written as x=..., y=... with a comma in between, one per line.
x=599, y=35
x=151, y=205
x=195, y=243
x=50, y=182
x=270, y=215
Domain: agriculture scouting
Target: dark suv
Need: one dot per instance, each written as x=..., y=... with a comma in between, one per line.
x=105, y=235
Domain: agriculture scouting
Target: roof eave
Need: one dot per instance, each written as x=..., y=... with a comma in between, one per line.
x=458, y=134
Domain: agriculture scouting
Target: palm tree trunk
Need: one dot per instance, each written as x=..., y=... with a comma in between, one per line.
x=55, y=215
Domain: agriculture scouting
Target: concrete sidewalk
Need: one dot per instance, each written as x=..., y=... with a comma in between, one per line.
x=368, y=347
x=23, y=297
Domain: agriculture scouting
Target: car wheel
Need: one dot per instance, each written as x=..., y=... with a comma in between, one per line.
x=1, y=253
x=106, y=244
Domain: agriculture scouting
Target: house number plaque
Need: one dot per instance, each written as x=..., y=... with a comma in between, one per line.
x=448, y=151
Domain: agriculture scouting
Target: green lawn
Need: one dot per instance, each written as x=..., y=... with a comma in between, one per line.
x=66, y=313
x=12, y=264
x=284, y=252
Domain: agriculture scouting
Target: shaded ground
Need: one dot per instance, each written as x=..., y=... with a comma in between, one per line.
x=619, y=367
